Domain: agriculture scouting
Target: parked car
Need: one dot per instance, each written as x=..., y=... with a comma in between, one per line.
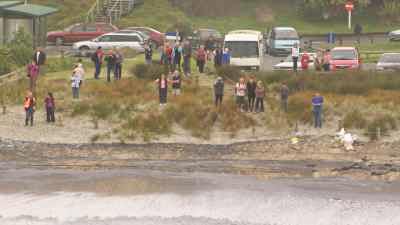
x=287, y=64
x=156, y=38
x=126, y=31
x=280, y=40
x=389, y=61
x=79, y=32
x=110, y=41
x=394, y=35
x=345, y=58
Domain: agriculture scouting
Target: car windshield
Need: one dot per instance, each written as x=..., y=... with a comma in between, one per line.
x=243, y=49
x=343, y=55
x=390, y=58
x=286, y=35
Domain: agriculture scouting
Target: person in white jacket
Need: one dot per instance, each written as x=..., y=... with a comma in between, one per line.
x=295, y=56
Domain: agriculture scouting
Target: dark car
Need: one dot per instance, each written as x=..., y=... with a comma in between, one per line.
x=156, y=38
x=79, y=32
x=210, y=38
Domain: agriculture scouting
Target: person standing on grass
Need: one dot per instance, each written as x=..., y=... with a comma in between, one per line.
x=50, y=106
x=317, y=102
x=251, y=93
x=240, y=92
x=260, y=94
x=187, y=55
x=119, y=59
x=295, y=56
x=176, y=83
x=218, y=57
x=168, y=53
x=305, y=61
x=177, y=53
x=201, y=56
x=358, y=31
x=33, y=73
x=226, y=57
x=29, y=106
x=284, y=93
x=75, y=84
x=111, y=61
x=162, y=84
x=97, y=58
x=326, y=61
x=40, y=59
x=219, y=91
x=148, y=54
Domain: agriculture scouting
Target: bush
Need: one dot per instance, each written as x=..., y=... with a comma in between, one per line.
x=384, y=123
x=20, y=48
x=229, y=72
x=299, y=108
x=148, y=72
x=5, y=66
x=354, y=119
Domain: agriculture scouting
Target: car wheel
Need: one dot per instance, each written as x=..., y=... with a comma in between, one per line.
x=59, y=41
x=84, y=50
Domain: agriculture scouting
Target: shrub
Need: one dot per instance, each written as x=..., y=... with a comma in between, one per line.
x=5, y=66
x=229, y=72
x=299, y=108
x=20, y=48
x=354, y=119
x=149, y=72
x=384, y=123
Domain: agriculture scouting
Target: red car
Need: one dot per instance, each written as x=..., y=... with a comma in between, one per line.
x=345, y=58
x=156, y=38
x=79, y=32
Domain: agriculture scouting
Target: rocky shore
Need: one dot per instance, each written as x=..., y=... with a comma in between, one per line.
x=311, y=157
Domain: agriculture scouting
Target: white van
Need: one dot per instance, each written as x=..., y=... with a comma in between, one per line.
x=246, y=47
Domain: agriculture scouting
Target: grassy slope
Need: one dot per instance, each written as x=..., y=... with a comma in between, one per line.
x=160, y=14
x=70, y=11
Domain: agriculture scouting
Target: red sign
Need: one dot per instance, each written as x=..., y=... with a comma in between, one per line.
x=349, y=6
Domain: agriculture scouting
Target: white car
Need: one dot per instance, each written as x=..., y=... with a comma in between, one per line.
x=287, y=64
x=111, y=41
x=389, y=61
x=394, y=35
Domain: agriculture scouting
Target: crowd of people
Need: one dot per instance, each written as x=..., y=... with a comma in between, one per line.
x=249, y=93
x=321, y=61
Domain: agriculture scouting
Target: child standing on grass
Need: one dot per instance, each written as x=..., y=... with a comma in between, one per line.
x=33, y=73
x=50, y=108
x=29, y=106
x=219, y=91
x=251, y=93
x=240, y=92
x=176, y=83
x=75, y=84
x=260, y=94
x=162, y=83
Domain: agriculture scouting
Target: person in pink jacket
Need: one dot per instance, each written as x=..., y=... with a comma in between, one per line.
x=33, y=73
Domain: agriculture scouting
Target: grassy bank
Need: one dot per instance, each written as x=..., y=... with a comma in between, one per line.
x=362, y=101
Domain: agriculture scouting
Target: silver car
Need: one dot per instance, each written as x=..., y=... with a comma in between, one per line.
x=394, y=35
x=389, y=61
x=111, y=41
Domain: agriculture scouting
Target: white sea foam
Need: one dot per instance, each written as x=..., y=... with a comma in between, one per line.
x=207, y=208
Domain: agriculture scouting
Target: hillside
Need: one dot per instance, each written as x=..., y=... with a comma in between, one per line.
x=70, y=11
x=226, y=15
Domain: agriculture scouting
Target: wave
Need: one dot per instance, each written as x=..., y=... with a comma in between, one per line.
x=228, y=207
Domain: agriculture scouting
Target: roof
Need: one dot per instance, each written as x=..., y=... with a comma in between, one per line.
x=343, y=48
x=256, y=32
x=242, y=37
x=30, y=10
x=284, y=28
x=4, y=4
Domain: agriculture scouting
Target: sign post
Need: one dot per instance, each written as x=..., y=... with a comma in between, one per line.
x=349, y=8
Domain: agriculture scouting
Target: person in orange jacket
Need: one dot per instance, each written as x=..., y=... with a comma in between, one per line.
x=29, y=106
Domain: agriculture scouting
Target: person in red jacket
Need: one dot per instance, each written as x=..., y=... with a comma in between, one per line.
x=201, y=58
x=305, y=60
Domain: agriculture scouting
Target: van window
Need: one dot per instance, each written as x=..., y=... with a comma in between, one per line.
x=286, y=35
x=243, y=49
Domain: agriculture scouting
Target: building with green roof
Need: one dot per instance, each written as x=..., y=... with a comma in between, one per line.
x=14, y=15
